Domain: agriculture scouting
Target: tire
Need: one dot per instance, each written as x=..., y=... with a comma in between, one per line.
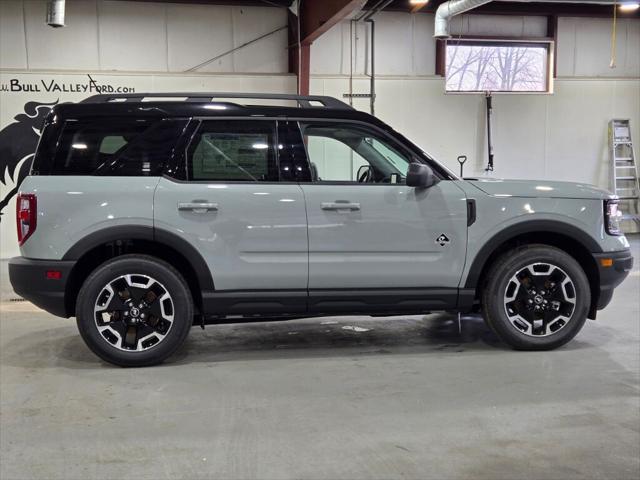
x=521, y=312
x=134, y=311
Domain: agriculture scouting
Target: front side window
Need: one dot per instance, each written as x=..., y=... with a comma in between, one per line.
x=486, y=66
x=345, y=152
x=233, y=151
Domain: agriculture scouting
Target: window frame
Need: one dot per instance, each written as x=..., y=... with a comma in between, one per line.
x=54, y=137
x=411, y=154
x=474, y=40
x=85, y=122
x=177, y=170
x=196, y=128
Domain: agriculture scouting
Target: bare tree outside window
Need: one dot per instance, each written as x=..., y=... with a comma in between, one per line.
x=496, y=67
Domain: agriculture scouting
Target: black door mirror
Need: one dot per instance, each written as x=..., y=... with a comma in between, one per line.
x=420, y=175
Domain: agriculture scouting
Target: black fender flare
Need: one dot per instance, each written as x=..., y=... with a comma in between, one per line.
x=142, y=232
x=532, y=226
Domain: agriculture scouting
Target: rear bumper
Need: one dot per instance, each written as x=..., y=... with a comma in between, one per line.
x=612, y=276
x=29, y=279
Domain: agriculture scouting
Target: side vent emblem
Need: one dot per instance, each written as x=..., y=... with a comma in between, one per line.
x=442, y=240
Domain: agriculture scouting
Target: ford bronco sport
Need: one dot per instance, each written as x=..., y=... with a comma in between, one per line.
x=144, y=215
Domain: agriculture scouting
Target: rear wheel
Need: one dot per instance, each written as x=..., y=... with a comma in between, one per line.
x=134, y=310
x=536, y=297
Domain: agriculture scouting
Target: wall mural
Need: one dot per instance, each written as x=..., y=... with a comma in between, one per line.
x=18, y=142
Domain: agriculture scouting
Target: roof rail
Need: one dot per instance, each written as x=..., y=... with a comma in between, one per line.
x=305, y=101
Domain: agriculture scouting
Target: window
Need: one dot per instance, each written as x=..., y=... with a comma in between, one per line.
x=87, y=146
x=233, y=151
x=480, y=66
x=148, y=154
x=112, y=144
x=122, y=147
x=349, y=153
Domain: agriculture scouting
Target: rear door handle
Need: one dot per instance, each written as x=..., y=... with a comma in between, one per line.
x=340, y=205
x=197, y=207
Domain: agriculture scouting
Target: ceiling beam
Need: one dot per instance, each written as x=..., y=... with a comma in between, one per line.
x=318, y=17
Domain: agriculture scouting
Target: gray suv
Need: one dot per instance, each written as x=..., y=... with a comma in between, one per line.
x=145, y=214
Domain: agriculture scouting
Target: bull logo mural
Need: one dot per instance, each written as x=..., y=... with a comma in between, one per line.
x=18, y=142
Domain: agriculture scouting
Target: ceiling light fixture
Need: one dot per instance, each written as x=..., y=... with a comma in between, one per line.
x=629, y=6
x=418, y=2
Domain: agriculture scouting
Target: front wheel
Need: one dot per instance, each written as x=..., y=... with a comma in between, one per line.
x=536, y=297
x=134, y=311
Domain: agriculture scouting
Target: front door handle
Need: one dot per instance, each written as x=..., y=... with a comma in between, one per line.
x=197, y=207
x=340, y=205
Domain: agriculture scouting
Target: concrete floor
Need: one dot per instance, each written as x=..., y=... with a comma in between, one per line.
x=408, y=398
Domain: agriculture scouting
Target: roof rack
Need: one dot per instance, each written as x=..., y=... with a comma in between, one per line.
x=305, y=101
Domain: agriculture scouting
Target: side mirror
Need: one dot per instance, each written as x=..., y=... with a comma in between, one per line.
x=420, y=175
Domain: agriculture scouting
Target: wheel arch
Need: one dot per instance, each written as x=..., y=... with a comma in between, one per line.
x=112, y=242
x=573, y=241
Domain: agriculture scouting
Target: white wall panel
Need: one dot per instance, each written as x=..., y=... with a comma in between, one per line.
x=331, y=53
x=133, y=36
x=141, y=37
x=561, y=136
x=424, y=48
x=197, y=33
x=577, y=138
x=269, y=55
x=13, y=52
x=76, y=44
x=405, y=44
x=566, y=46
x=394, y=34
x=584, y=47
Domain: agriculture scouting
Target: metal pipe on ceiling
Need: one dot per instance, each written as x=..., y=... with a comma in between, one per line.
x=449, y=9
x=55, y=13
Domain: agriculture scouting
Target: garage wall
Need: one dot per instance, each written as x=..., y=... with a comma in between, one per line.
x=140, y=36
x=583, y=44
x=560, y=136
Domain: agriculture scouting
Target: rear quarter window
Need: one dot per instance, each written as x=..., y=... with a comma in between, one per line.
x=118, y=147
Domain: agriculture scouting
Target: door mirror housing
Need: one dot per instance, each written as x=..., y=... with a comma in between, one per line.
x=420, y=175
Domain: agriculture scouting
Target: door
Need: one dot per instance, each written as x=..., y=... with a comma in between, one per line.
x=250, y=228
x=370, y=233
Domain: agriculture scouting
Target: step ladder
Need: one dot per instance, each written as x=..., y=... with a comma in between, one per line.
x=624, y=173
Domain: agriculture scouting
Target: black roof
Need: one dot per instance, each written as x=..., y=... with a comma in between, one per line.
x=153, y=105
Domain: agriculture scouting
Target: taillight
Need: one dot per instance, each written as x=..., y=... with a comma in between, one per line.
x=26, y=216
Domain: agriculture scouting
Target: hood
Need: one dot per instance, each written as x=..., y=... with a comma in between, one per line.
x=538, y=188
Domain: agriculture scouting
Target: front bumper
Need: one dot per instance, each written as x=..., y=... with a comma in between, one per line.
x=31, y=279
x=611, y=276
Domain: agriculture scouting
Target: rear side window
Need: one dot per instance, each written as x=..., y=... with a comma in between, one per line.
x=233, y=151
x=119, y=147
x=147, y=154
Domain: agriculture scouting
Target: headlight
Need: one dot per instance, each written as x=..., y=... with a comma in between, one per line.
x=612, y=217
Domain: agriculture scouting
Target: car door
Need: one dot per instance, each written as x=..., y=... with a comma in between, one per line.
x=249, y=227
x=374, y=242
